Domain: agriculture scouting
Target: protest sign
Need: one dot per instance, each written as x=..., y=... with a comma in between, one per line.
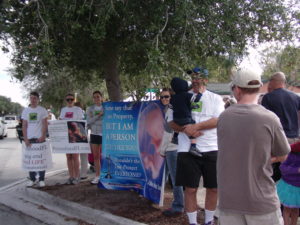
x=132, y=134
x=68, y=136
x=37, y=157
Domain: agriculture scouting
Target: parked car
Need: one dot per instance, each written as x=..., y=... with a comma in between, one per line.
x=11, y=121
x=3, y=129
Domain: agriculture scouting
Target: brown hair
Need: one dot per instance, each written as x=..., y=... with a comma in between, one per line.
x=69, y=95
x=98, y=92
x=251, y=90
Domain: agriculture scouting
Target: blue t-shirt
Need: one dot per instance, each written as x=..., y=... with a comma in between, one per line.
x=285, y=104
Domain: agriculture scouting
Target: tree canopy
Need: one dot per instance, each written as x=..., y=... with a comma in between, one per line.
x=143, y=41
x=286, y=60
x=9, y=107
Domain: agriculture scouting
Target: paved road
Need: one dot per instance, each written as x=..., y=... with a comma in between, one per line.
x=10, y=160
x=13, y=217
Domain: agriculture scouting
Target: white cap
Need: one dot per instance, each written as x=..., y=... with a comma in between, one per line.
x=242, y=77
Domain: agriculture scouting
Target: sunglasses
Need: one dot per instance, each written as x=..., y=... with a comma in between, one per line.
x=70, y=99
x=165, y=96
x=233, y=87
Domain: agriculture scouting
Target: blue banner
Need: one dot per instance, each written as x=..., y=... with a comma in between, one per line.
x=132, y=134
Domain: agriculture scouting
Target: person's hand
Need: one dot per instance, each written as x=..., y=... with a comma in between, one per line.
x=41, y=139
x=27, y=143
x=100, y=113
x=191, y=130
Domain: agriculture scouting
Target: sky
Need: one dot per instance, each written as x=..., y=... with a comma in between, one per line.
x=8, y=87
x=13, y=89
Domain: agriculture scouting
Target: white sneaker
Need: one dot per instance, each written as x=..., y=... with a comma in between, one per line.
x=30, y=183
x=42, y=184
x=76, y=180
x=95, y=180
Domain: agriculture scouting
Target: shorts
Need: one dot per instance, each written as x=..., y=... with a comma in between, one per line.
x=190, y=169
x=228, y=218
x=95, y=139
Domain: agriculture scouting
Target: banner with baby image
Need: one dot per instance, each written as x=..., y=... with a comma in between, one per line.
x=36, y=157
x=132, y=134
x=68, y=136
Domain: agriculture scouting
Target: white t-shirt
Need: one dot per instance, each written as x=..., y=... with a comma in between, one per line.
x=71, y=113
x=34, y=117
x=210, y=106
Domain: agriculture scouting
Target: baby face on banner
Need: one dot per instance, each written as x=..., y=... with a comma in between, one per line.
x=151, y=128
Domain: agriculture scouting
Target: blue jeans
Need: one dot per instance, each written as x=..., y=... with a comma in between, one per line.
x=171, y=160
x=33, y=174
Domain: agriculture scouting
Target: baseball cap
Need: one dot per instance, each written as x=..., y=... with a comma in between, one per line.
x=242, y=78
x=200, y=72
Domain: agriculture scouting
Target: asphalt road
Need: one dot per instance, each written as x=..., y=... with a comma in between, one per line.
x=10, y=160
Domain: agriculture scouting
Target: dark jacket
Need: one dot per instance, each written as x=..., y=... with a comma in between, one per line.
x=181, y=102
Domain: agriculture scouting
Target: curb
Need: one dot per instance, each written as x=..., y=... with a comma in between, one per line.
x=75, y=210
x=53, y=210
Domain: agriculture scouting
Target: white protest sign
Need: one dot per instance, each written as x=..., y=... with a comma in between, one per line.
x=68, y=136
x=37, y=157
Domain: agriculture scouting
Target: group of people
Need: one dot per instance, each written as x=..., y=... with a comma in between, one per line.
x=34, y=128
x=232, y=149
x=236, y=148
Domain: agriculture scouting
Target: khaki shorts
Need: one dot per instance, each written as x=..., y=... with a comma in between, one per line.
x=274, y=218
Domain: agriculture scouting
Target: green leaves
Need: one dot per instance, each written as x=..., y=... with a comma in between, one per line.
x=151, y=39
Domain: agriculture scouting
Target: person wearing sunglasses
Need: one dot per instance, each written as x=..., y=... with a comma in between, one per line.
x=191, y=168
x=94, y=122
x=169, y=151
x=71, y=112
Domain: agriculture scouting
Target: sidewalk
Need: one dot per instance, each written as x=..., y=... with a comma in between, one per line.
x=52, y=210
x=49, y=209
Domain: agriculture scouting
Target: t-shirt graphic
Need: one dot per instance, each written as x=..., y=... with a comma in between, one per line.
x=32, y=117
x=96, y=112
x=196, y=106
x=69, y=115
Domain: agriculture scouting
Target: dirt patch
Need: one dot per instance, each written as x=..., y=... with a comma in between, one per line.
x=127, y=204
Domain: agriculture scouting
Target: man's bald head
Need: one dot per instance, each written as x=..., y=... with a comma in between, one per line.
x=277, y=80
x=279, y=77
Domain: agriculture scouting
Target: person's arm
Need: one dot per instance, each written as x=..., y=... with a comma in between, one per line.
x=24, y=130
x=278, y=158
x=176, y=127
x=195, y=129
x=44, y=130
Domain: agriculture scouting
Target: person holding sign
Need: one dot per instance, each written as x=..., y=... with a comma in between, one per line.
x=71, y=112
x=34, y=127
x=94, y=122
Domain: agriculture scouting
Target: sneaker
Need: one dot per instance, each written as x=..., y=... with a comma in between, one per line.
x=171, y=213
x=95, y=180
x=30, y=183
x=42, y=183
x=83, y=177
x=70, y=180
x=76, y=180
x=195, y=151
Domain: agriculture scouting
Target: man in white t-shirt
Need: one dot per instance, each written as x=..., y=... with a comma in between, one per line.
x=190, y=168
x=34, y=127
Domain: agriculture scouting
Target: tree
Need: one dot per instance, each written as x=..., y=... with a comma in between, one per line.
x=9, y=107
x=153, y=38
x=286, y=60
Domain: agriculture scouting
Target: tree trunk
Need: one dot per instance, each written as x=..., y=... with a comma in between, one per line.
x=111, y=73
